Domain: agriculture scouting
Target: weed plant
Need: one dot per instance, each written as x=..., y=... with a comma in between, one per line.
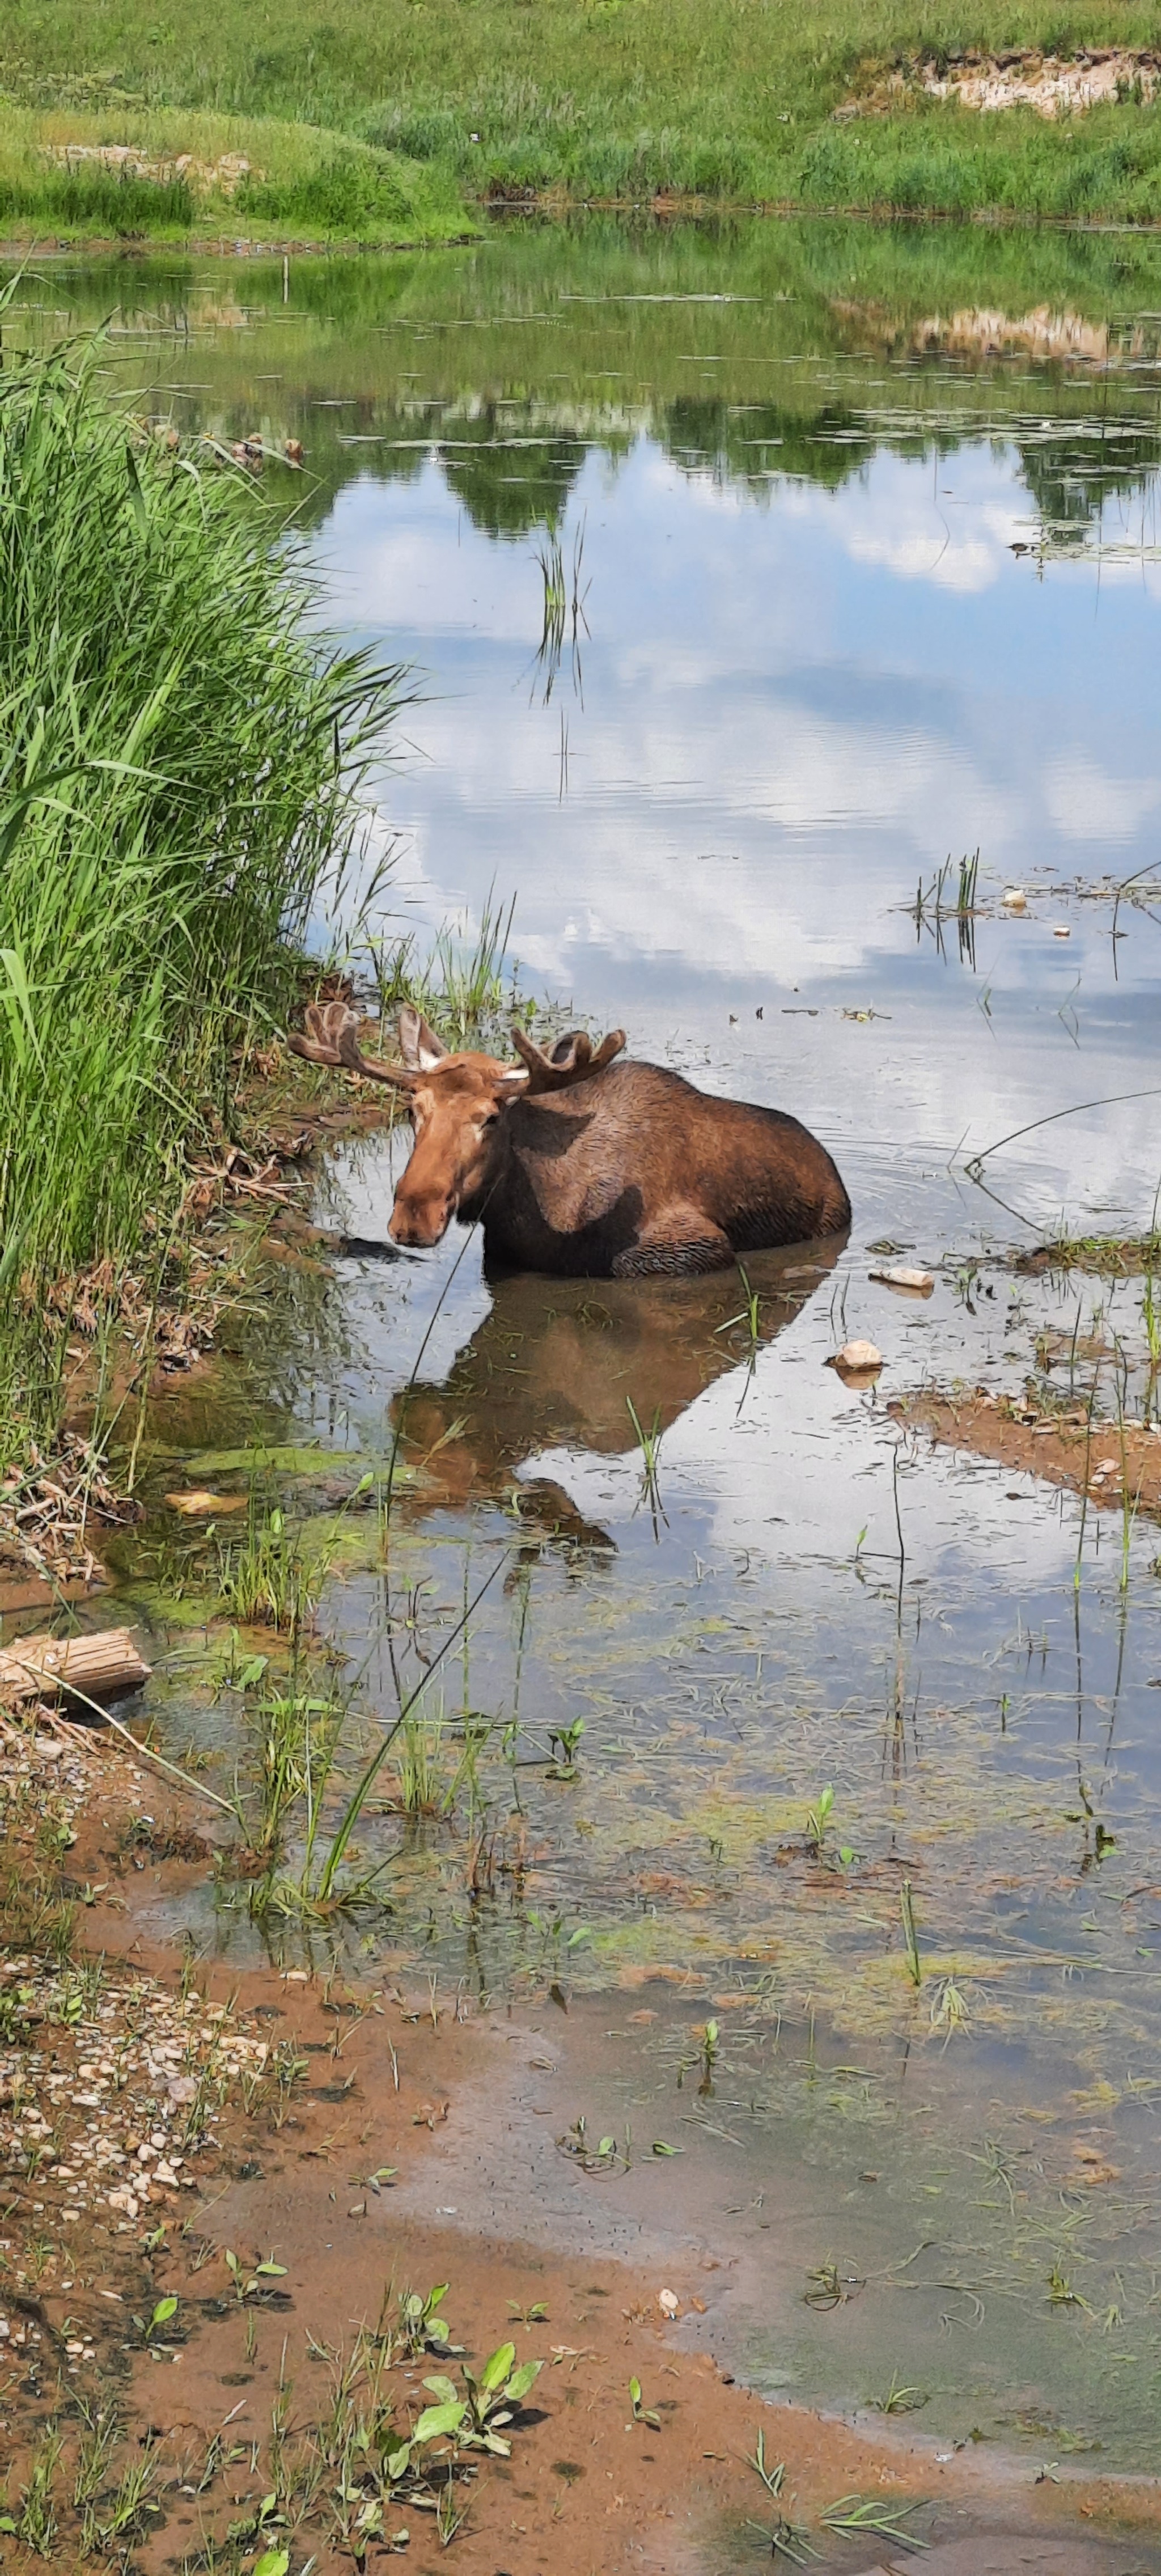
x=178, y=755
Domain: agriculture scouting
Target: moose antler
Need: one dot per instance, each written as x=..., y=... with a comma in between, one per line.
x=572, y=1059
x=333, y=1039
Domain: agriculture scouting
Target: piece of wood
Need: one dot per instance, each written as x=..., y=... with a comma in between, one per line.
x=103, y=1666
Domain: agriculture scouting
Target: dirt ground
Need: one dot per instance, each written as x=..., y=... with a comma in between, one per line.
x=173, y=2132
x=1106, y=1460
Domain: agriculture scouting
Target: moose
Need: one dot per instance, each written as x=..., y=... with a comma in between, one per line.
x=581, y=1167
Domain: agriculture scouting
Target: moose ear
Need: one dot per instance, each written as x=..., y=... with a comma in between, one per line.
x=419, y=1046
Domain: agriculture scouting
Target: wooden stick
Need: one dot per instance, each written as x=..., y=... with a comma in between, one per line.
x=103, y=1666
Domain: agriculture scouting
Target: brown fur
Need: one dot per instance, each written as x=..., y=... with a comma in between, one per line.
x=586, y=1168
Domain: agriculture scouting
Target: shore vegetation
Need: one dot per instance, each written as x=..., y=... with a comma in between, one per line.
x=129, y=171
x=613, y=100
x=179, y=754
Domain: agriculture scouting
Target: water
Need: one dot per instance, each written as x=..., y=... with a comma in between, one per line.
x=860, y=532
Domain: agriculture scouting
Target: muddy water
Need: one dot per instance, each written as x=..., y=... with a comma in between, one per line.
x=861, y=536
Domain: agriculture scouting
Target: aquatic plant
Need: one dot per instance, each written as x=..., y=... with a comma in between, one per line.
x=650, y=1446
x=816, y=1821
x=559, y=607
x=286, y=1720
x=269, y=1578
x=421, y=1779
x=855, y=2514
x=459, y=985
x=910, y=1935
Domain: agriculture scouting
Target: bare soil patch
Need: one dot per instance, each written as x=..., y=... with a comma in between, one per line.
x=1108, y=1461
x=1053, y=85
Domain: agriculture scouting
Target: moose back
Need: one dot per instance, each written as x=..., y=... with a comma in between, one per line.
x=579, y=1166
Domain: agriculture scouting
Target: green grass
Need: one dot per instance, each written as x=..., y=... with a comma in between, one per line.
x=208, y=177
x=726, y=99
x=176, y=757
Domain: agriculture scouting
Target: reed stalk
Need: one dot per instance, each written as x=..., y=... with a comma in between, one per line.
x=179, y=760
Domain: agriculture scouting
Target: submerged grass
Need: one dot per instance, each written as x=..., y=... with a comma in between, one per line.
x=177, y=761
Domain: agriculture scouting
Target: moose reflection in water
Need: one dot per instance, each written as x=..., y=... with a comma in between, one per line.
x=581, y=1167
x=566, y=1364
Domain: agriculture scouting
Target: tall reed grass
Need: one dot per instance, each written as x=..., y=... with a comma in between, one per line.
x=179, y=756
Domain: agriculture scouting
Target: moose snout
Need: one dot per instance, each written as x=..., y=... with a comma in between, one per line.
x=419, y=1222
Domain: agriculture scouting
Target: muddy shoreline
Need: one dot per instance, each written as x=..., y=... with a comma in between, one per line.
x=345, y=2115
x=1117, y=1465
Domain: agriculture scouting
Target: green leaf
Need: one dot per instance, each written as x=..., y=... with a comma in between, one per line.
x=496, y=2442
x=607, y=2147
x=397, y=2461
x=522, y=2380
x=13, y=963
x=165, y=2309
x=140, y=513
x=270, y=2271
x=635, y=2393
x=497, y=2367
x=438, y=2419
x=443, y=2388
x=6, y=2522
x=273, y=2562
x=661, y=2149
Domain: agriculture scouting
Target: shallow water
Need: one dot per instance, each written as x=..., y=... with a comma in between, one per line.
x=864, y=545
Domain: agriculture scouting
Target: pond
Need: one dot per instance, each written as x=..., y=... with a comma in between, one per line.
x=855, y=543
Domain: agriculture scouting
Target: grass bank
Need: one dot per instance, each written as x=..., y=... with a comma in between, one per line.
x=127, y=172
x=177, y=761
x=725, y=100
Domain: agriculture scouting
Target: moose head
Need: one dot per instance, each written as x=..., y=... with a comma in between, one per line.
x=457, y=1103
